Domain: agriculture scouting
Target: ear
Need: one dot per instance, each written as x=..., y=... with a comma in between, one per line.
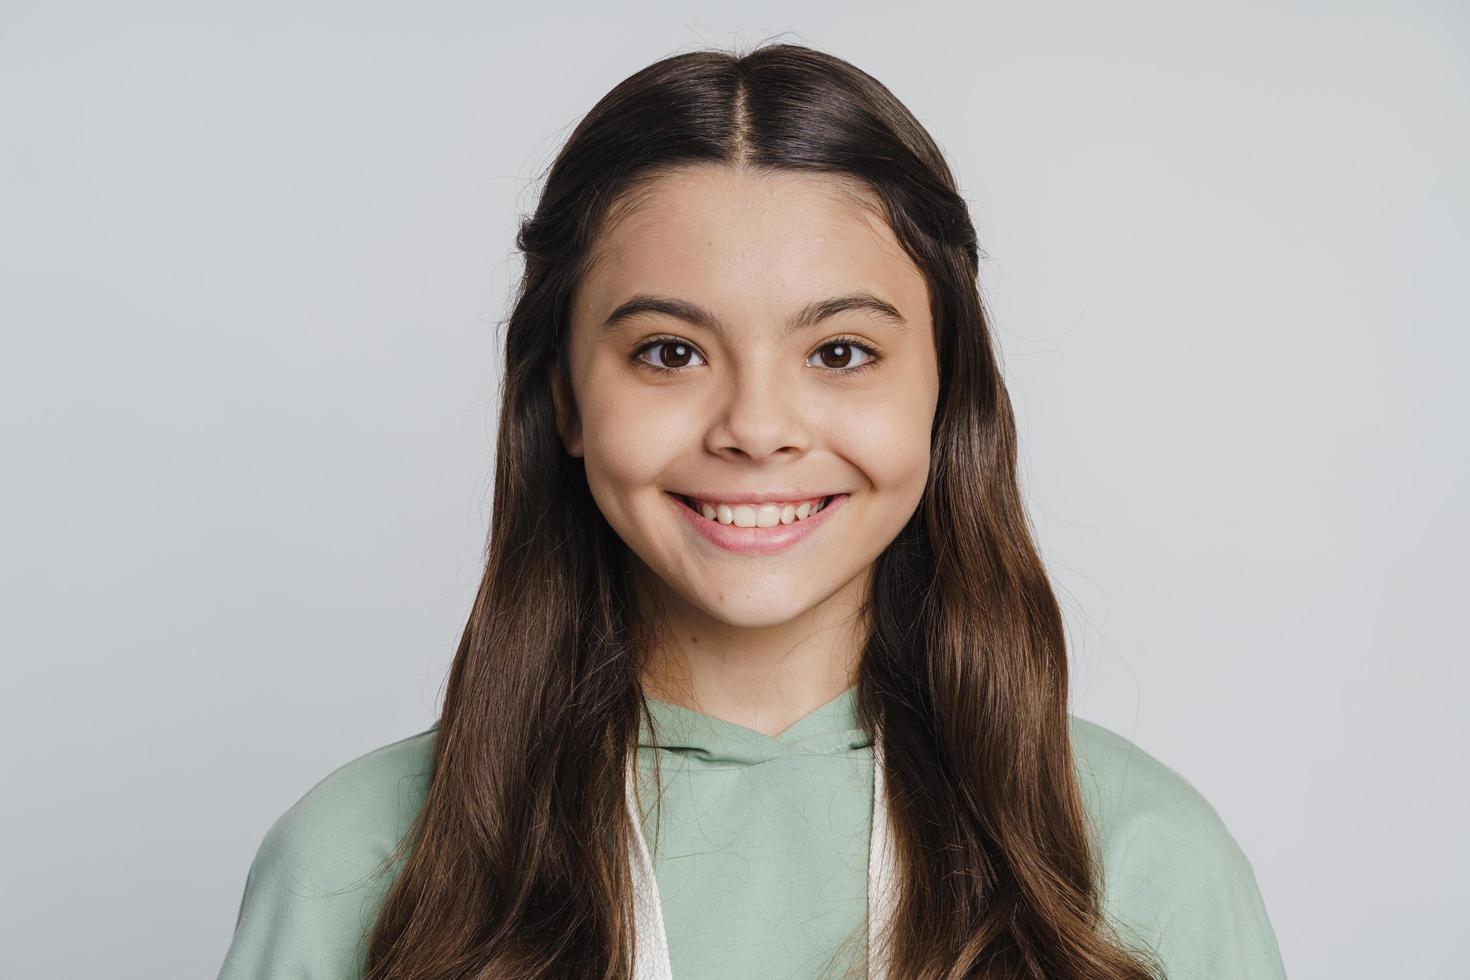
x=568, y=424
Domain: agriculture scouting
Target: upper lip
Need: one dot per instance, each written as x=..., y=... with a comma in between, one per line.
x=768, y=497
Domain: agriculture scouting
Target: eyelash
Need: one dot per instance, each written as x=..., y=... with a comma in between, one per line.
x=873, y=356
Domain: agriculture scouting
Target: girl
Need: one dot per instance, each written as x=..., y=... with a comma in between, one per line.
x=764, y=677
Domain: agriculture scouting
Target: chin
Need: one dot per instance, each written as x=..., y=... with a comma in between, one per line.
x=754, y=612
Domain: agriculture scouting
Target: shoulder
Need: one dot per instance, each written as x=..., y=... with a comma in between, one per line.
x=1126, y=787
x=1175, y=879
x=314, y=888
x=362, y=805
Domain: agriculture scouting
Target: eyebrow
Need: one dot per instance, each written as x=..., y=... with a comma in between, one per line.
x=811, y=314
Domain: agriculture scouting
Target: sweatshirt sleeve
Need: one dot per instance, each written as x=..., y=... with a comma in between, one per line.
x=1182, y=886
x=319, y=877
x=1176, y=883
x=307, y=908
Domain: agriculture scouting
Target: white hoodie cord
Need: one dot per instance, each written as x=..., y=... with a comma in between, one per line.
x=651, y=961
x=652, y=958
x=882, y=865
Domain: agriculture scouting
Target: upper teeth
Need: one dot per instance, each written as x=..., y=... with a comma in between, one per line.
x=758, y=515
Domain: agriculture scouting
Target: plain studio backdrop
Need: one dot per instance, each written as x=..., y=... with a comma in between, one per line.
x=255, y=258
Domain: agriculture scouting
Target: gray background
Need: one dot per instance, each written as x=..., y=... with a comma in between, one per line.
x=254, y=256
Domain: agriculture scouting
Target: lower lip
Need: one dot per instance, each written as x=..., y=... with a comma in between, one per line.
x=757, y=540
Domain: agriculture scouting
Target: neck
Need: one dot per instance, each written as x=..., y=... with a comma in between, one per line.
x=764, y=678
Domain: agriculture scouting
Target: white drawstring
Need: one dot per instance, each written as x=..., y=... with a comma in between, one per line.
x=652, y=959
x=882, y=865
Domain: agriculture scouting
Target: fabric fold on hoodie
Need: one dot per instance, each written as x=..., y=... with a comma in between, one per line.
x=759, y=844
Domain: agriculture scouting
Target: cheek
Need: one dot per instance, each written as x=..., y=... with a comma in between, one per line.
x=628, y=438
x=888, y=439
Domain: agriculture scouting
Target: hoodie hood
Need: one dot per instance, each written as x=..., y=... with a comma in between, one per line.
x=700, y=740
x=713, y=765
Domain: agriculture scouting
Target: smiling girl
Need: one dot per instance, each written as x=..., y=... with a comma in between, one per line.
x=765, y=676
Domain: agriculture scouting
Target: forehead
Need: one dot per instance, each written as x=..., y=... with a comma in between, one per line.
x=748, y=240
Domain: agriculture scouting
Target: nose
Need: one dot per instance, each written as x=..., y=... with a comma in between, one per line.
x=760, y=415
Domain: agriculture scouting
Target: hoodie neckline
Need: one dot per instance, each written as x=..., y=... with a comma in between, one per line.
x=827, y=729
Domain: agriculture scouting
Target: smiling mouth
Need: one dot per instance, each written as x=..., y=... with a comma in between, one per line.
x=689, y=503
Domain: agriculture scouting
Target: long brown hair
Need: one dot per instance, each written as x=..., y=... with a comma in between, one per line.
x=516, y=865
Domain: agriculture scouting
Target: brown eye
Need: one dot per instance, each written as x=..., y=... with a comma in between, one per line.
x=681, y=353
x=673, y=354
x=842, y=352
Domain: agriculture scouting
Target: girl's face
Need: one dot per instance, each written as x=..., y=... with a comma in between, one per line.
x=727, y=377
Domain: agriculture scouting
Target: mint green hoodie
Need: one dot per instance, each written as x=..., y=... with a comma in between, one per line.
x=760, y=853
